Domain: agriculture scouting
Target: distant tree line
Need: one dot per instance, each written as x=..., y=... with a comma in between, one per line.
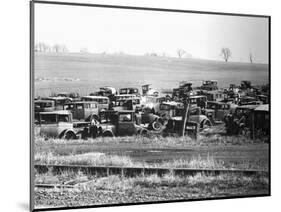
x=43, y=47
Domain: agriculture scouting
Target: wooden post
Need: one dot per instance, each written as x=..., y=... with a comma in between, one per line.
x=185, y=117
x=253, y=125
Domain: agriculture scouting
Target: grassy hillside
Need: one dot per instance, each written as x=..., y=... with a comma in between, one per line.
x=85, y=73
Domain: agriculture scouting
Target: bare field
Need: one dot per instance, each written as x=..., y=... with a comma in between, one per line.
x=85, y=73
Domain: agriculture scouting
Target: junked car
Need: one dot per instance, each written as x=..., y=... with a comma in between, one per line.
x=120, y=123
x=103, y=101
x=82, y=110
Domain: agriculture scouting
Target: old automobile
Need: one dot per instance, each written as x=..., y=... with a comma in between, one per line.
x=184, y=90
x=126, y=102
x=120, y=123
x=82, y=110
x=198, y=101
x=240, y=121
x=261, y=120
x=216, y=111
x=169, y=109
x=43, y=106
x=129, y=91
x=59, y=101
x=215, y=95
x=175, y=110
x=248, y=100
x=152, y=103
x=209, y=85
x=57, y=124
x=103, y=101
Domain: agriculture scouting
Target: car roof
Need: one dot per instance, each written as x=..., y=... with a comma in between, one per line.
x=81, y=102
x=219, y=103
x=59, y=112
x=43, y=101
x=247, y=106
x=214, y=92
x=172, y=103
x=126, y=111
x=130, y=95
x=95, y=97
x=56, y=98
x=197, y=96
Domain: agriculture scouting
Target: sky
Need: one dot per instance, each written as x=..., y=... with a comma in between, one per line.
x=139, y=32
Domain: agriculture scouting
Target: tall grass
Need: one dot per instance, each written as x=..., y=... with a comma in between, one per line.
x=101, y=159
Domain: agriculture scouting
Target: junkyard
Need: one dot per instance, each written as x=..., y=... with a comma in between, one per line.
x=143, y=142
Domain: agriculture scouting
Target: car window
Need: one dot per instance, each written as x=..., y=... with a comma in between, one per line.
x=47, y=118
x=125, y=117
x=63, y=118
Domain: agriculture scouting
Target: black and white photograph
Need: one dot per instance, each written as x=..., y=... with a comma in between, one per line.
x=136, y=105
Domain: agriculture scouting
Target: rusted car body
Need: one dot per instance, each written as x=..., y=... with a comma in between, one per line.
x=215, y=95
x=248, y=100
x=152, y=103
x=126, y=102
x=120, y=123
x=209, y=85
x=129, y=91
x=241, y=120
x=103, y=101
x=261, y=120
x=216, y=111
x=43, y=106
x=198, y=101
x=182, y=91
x=82, y=110
x=57, y=124
x=170, y=109
x=59, y=101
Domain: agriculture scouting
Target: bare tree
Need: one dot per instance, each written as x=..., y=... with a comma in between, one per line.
x=180, y=52
x=251, y=57
x=226, y=54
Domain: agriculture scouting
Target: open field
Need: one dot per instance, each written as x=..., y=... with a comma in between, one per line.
x=85, y=73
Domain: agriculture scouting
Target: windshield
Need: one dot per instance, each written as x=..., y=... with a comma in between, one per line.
x=125, y=117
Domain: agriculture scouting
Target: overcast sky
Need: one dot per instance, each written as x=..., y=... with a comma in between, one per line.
x=138, y=32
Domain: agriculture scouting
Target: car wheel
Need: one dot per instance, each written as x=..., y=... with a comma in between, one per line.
x=107, y=134
x=156, y=125
x=69, y=135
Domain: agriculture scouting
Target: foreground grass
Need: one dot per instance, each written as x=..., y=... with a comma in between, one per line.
x=101, y=159
x=89, y=190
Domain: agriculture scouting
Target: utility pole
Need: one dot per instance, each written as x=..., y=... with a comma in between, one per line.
x=185, y=116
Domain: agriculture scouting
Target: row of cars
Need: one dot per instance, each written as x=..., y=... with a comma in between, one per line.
x=127, y=112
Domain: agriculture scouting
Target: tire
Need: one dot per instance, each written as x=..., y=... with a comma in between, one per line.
x=205, y=124
x=143, y=132
x=156, y=125
x=107, y=134
x=69, y=135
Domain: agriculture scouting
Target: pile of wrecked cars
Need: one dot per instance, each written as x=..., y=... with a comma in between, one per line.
x=109, y=112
